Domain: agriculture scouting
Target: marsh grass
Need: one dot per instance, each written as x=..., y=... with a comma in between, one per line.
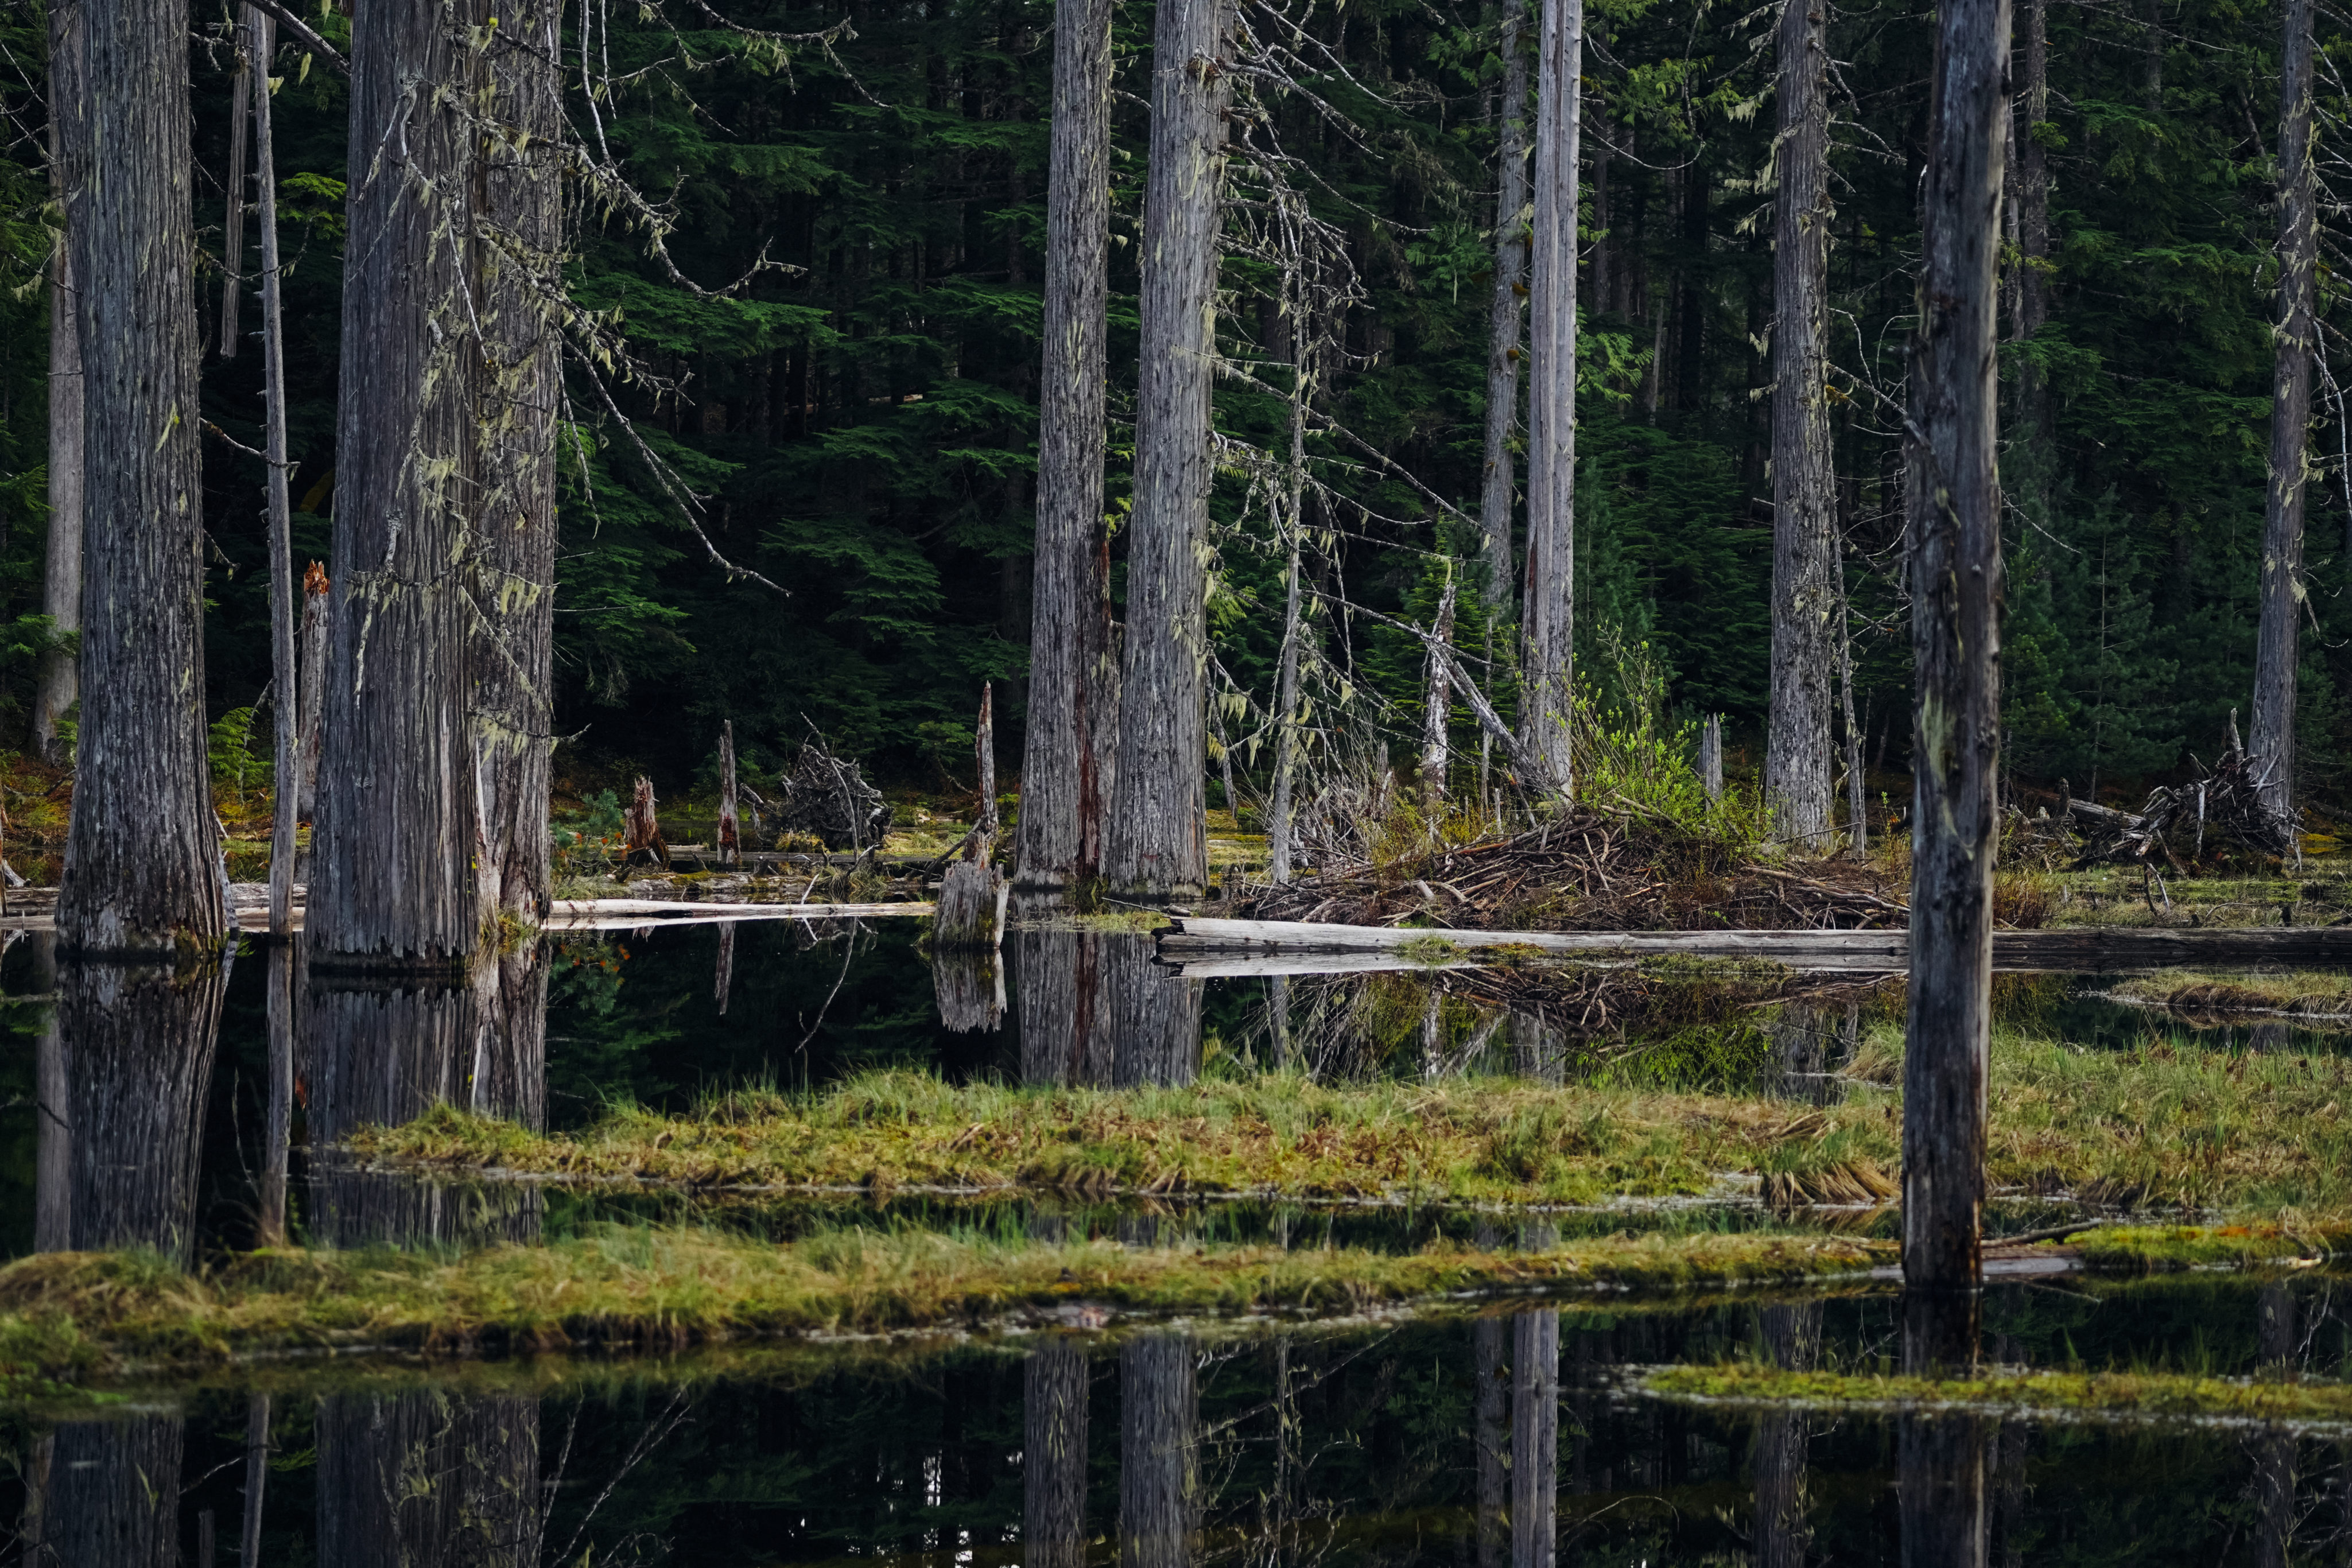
x=75, y=1317
x=2307, y=993
x=2161, y=1126
x=2160, y=1394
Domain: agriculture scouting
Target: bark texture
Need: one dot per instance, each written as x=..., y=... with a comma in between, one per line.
x=1940, y=1487
x=1071, y=744
x=56, y=689
x=1156, y=845
x=396, y=830
x=418, y=1478
x=1792, y=1337
x=730, y=828
x=1798, y=772
x=1535, y=1439
x=1550, y=659
x=1956, y=587
x=1065, y=1015
x=1054, y=1456
x=114, y=1494
x=1437, y=706
x=285, y=712
x=135, y=1056
x=2272, y=729
x=519, y=281
x=1496, y=501
x=142, y=862
x=1158, y=1440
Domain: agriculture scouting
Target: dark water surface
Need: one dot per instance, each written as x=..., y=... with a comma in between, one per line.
x=179, y=1117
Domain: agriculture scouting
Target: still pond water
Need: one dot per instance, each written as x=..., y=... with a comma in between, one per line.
x=1443, y=1437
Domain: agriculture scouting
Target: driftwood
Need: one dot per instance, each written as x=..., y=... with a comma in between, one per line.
x=828, y=797
x=1583, y=870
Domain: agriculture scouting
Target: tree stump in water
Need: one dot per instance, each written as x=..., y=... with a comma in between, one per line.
x=971, y=907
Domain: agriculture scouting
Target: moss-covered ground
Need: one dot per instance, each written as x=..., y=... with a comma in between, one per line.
x=2156, y=1394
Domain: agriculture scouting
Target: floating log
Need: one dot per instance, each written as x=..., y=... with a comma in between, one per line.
x=1189, y=939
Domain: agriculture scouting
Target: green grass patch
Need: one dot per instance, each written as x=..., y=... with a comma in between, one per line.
x=2111, y=1393
x=73, y=1318
x=2295, y=993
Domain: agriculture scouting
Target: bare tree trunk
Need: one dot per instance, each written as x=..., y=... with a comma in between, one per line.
x=731, y=833
x=2272, y=729
x=1497, y=504
x=311, y=723
x=518, y=280
x=1792, y=1337
x=1054, y=1456
x=1070, y=747
x=1957, y=589
x=261, y=36
x=61, y=582
x=1064, y=1017
x=1797, y=752
x=1159, y=1472
x=1293, y=627
x=143, y=861
x=1857, y=788
x=1535, y=1438
x=399, y=801
x=1549, y=663
x=1155, y=848
x=1710, y=757
x=1438, y=707
x=249, y=51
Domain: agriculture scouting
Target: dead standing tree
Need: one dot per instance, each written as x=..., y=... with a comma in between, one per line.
x=1549, y=616
x=1806, y=613
x=57, y=688
x=397, y=824
x=1071, y=746
x=1497, y=500
x=2272, y=728
x=1155, y=845
x=142, y=862
x=1957, y=588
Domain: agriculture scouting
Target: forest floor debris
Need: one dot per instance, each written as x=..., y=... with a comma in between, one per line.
x=2159, y=1127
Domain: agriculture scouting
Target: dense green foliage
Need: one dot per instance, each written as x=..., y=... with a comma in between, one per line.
x=860, y=414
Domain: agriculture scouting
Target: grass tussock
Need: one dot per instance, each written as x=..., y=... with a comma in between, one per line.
x=74, y=1317
x=2158, y=1395
x=2161, y=1126
x=2300, y=993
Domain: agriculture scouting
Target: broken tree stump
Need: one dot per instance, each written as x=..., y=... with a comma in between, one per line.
x=730, y=844
x=641, y=830
x=972, y=891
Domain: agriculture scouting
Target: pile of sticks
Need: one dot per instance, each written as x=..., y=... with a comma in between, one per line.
x=2225, y=806
x=1589, y=870
x=826, y=796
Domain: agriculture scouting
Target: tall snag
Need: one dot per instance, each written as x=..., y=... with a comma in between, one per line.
x=1496, y=504
x=56, y=688
x=398, y=805
x=261, y=36
x=2272, y=731
x=1806, y=633
x=519, y=281
x=143, y=861
x=1071, y=744
x=1156, y=845
x=1549, y=660
x=1954, y=505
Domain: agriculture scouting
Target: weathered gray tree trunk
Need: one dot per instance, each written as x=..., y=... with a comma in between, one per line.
x=971, y=910
x=1155, y=846
x=2272, y=727
x=261, y=36
x=143, y=863
x=730, y=829
x=247, y=44
x=1054, y=1456
x=311, y=721
x=1160, y=1434
x=397, y=829
x=2033, y=177
x=519, y=282
x=1535, y=1439
x=55, y=691
x=1956, y=586
x=1940, y=1487
x=1278, y=826
x=1798, y=771
x=1496, y=502
x=1857, y=788
x=1710, y=756
x=1792, y=1337
x=1071, y=745
x=1438, y=707
x=1549, y=617
x=1490, y=1414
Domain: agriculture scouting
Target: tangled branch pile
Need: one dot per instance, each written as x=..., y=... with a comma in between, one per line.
x=2225, y=805
x=828, y=797
x=1590, y=871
